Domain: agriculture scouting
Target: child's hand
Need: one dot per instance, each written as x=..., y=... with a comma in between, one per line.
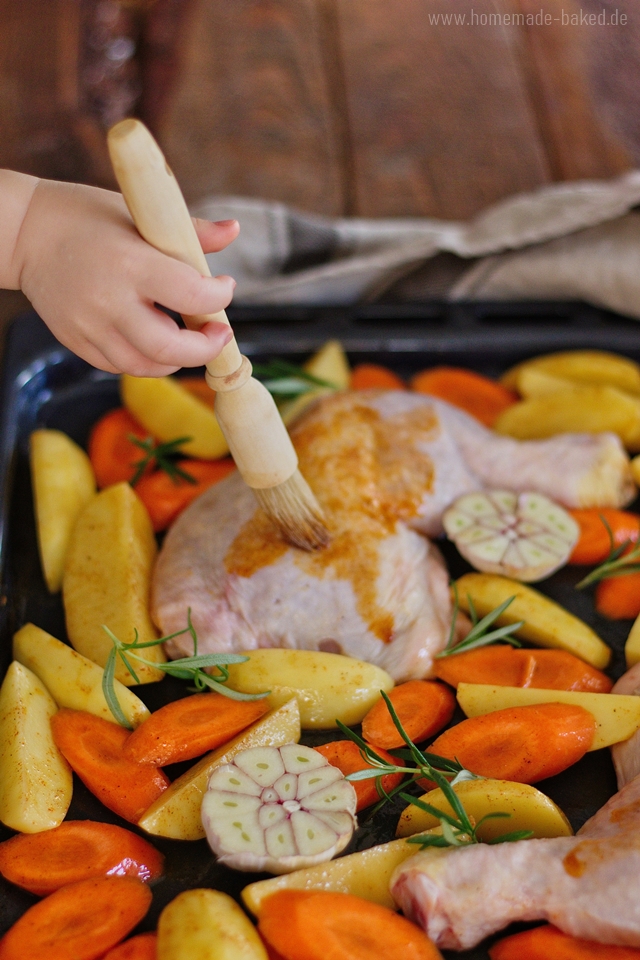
x=94, y=281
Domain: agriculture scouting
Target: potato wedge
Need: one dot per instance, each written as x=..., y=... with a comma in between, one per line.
x=547, y=624
x=204, y=924
x=528, y=809
x=329, y=363
x=533, y=382
x=107, y=579
x=364, y=874
x=617, y=716
x=63, y=482
x=176, y=814
x=71, y=679
x=327, y=686
x=591, y=367
x=578, y=410
x=169, y=411
x=35, y=780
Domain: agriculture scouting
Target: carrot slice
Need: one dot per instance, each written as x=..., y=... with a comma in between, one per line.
x=142, y=947
x=483, y=398
x=346, y=756
x=367, y=376
x=165, y=497
x=94, y=749
x=80, y=921
x=316, y=925
x=187, y=728
x=549, y=943
x=619, y=597
x=525, y=744
x=594, y=543
x=423, y=708
x=502, y=665
x=113, y=456
x=77, y=849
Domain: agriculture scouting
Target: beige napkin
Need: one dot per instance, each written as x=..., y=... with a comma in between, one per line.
x=576, y=240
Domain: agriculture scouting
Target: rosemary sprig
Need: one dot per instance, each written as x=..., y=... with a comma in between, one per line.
x=161, y=454
x=284, y=379
x=480, y=635
x=618, y=563
x=186, y=668
x=457, y=829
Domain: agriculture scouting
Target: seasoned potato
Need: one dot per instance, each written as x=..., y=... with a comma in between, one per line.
x=329, y=363
x=528, y=809
x=591, y=367
x=107, y=579
x=546, y=623
x=167, y=410
x=327, y=686
x=176, y=813
x=35, y=779
x=578, y=410
x=364, y=874
x=71, y=679
x=617, y=716
x=207, y=925
x=63, y=481
x=533, y=382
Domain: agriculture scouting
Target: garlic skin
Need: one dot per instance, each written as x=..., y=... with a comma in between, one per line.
x=278, y=809
x=523, y=536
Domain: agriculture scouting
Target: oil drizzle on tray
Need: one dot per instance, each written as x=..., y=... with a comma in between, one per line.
x=368, y=473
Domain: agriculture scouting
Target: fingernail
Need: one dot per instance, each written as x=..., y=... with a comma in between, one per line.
x=224, y=223
x=228, y=338
x=234, y=284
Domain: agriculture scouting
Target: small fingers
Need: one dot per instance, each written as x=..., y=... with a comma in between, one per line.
x=179, y=287
x=159, y=340
x=215, y=236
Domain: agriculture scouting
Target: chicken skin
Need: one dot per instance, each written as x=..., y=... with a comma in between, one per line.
x=586, y=885
x=384, y=465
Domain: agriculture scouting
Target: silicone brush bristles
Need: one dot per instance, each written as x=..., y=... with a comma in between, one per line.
x=294, y=509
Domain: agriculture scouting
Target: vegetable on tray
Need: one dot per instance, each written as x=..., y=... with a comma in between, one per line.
x=479, y=396
x=204, y=924
x=549, y=943
x=601, y=530
x=76, y=850
x=142, y=947
x=373, y=376
x=278, y=809
x=422, y=706
x=81, y=920
x=525, y=536
x=348, y=758
x=526, y=744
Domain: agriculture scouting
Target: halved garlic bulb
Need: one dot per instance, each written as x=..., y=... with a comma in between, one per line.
x=525, y=536
x=278, y=809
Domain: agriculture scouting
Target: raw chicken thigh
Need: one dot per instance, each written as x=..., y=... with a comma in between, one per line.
x=586, y=885
x=384, y=465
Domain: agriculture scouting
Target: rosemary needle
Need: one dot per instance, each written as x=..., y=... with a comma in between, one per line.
x=619, y=563
x=480, y=635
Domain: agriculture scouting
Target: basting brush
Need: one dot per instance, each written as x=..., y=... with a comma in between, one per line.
x=245, y=410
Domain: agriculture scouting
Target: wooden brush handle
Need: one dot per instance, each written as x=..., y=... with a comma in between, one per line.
x=245, y=410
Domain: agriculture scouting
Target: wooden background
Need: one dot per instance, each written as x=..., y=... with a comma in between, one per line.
x=343, y=107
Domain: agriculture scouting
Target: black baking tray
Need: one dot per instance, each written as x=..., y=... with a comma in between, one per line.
x=44, y=385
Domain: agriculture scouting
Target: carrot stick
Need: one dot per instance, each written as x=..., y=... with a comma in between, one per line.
x=94, y=749
x=525, y=744
x=619, y=597
x=166, y=497
x=142, y=947
x=113, y=456
x=423, y=708
x=346, y=756
x=187, y=728
x=80, y=921
x=483, y=398
x=316, y=925
x=367, y=376
x=76, y=850
x=594, y=542
x=549, y=943
x=502, y=665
